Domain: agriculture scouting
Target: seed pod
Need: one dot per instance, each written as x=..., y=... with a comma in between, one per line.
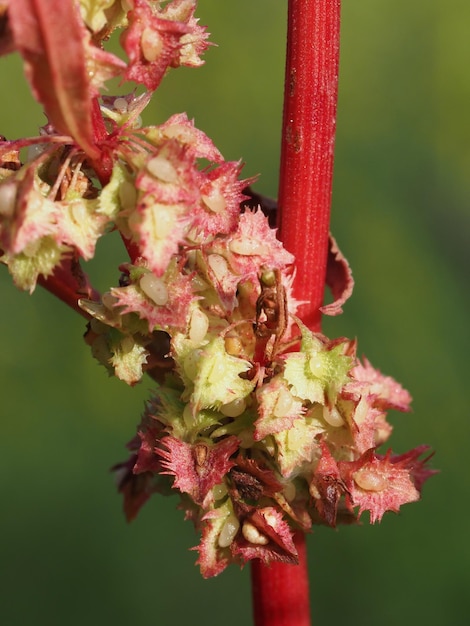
x=155, y=288
x=219, y=491
x=234, y=408
x=120, y=104
x=229, y=531
x=248, y=247
x=127, y=195
x=233, y=346
x=198, y=326
x=218, y=265
x=7, y=199
x=161, y=168
x=284, y=403
x=108, y=300
x=200, y=454
x=369, y=480
x=333, y=417
x=151, y=44
x=252, y=534
x=215, y=201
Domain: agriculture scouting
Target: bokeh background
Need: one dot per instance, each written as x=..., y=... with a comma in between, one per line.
x=401, y=215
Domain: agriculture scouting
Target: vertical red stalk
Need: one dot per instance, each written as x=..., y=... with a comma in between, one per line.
x=310, y=96
x=280, y=592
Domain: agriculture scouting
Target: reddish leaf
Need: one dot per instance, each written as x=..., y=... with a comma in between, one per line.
x=146, y=459
x=338, y=278
x=49, y=36
x=7, y=44
x=136, y=489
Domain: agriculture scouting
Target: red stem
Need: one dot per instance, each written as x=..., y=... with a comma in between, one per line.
x=308, y=133
x=69, y=284
x=103, y=165
x=280, y=592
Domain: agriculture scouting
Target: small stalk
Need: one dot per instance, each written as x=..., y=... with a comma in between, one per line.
x=280, y=592
x=69, y=284
x=103, y=165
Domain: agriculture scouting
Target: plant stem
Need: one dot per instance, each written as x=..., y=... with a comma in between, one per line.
x=280, y=592
x=309, y=121
x=69, y=284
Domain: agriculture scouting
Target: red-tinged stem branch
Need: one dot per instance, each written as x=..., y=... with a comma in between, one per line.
x=69, y=284
x=280, y=592
x=104, y=165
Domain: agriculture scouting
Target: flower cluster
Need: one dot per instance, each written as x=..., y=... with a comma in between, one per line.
x=260, y=424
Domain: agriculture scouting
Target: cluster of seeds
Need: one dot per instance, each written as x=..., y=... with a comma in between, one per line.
x=262, y=426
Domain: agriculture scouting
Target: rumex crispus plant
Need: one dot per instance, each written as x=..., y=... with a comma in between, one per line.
x=263, y=425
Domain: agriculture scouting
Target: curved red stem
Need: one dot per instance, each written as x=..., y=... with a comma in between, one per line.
x=280, y=592
x=69, y=283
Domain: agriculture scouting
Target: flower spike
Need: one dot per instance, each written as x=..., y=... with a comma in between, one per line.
x=263, y=426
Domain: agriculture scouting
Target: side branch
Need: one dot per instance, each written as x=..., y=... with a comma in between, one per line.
x=69, y=283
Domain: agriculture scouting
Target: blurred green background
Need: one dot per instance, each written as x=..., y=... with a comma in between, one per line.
x=401, y=215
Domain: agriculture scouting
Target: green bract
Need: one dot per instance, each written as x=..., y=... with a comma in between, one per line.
x=217, y=380
x=317, y=372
